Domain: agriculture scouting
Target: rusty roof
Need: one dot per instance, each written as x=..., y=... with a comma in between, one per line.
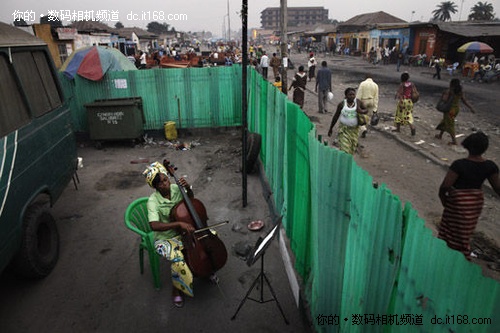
x=91, y=26
x=321, y=29
x=471, y=29
x=13, y=36
x=127, y=32
x=370, y=19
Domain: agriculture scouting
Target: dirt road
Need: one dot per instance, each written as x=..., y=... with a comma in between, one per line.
x=413, y=167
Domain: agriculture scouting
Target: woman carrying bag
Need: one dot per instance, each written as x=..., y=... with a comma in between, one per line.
x=447, y=124
x=350, y=113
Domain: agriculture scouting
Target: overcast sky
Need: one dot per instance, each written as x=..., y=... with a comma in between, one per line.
x=198, y=15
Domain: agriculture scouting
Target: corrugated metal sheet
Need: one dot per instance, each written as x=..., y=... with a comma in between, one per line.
x=330, y=216
x=438, y=283
x=471, y=29
x=373, y=249
x=192, y=97
x=284, y=129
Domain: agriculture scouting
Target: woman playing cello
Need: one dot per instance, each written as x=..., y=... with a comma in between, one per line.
x=168, y=242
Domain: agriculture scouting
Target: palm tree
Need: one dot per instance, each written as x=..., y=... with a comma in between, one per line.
x=444, y=11
x=482, y=11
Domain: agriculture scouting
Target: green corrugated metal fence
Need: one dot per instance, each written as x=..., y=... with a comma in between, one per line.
x=362, y=254
x=197, y=97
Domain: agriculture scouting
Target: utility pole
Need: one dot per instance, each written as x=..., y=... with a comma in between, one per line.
x=244, y=107
x=228, y=23
x=460, y=15
x=284, y=45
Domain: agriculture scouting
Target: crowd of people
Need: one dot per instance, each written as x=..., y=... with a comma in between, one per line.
x=218, y=55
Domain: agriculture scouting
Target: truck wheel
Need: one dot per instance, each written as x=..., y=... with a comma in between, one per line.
x=253, y=150
x=40, y=243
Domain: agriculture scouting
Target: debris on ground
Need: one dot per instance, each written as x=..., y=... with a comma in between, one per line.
x=139, y=161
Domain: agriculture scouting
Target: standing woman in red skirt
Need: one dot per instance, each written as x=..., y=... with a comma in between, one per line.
x=462, y=196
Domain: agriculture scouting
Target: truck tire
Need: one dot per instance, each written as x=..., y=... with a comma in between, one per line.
x=39, y=250
x=253, y=150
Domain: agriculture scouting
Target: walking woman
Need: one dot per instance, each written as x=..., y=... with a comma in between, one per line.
x=447, y=125
x=299, y=84
x=462, y=196
x=404, y=107
x=347, y=111
x=311, y=66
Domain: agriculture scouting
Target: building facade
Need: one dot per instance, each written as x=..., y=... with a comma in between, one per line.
x=297, y=16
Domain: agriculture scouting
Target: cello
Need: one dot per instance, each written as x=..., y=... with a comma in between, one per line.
x=204, y=252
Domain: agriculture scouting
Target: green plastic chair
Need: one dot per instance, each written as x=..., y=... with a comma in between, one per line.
x=136, y=219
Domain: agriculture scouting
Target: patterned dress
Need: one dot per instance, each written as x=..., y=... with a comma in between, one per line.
x=404, y=108
x=168, y=244
x=447, y=124
x=348, y=128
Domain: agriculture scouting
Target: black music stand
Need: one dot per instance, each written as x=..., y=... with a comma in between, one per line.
x=258, y=252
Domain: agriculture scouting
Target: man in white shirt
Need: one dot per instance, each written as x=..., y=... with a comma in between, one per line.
x=368, y=95
x=264, y=64
x=143, y=60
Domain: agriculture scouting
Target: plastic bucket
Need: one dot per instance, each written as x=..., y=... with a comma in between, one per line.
x=170, y=130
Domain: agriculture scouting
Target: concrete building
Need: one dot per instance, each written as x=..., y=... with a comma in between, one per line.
x=358, y=36
x=297, y=16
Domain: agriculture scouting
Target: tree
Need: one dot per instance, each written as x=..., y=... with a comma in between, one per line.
x=119, y=25
x=19, y=22
x=444, y=11
x=157, y=28
x=482, y=11
x=330, y=21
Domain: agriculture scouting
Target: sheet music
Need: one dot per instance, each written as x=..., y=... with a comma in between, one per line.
x=266, y=240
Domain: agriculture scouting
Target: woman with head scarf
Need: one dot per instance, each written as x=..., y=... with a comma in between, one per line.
x=298, y=84
x=311, y=66
x=168, y=242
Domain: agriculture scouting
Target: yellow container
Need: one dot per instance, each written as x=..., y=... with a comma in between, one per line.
x=170, y=130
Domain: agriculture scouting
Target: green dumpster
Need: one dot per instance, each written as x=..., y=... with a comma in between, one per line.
x=115, y=119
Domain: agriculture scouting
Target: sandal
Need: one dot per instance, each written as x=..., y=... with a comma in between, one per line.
x=178, y=301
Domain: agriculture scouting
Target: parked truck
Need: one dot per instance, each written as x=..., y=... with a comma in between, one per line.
x=37, y=153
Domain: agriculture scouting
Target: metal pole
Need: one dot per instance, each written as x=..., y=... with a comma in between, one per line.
x=244, y=64
x=224, y=32
x=460, y=14
x=228, y=23
x=284, y=45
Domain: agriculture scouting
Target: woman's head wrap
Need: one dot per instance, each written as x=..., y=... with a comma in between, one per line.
x=152, y=170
